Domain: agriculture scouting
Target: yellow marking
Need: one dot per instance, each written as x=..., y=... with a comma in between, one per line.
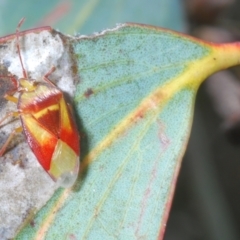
x=37, y=132
x=83, y=15
x=44, y=111
x=64, y=161
x=64, y=115
x=28, y=85
x=29, y=97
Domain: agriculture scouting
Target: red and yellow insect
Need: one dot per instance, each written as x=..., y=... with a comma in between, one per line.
x=48, y=124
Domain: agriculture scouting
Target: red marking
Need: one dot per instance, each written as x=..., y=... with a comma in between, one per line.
x=147, y=194
x=162, y=136
x=139, y=114
x=72, y=237
x=51, y=121
x=42, y=151
x=32, y=30
x=32, y=223
x=145, y=199
x=42, y=101
x=88, y=93
x=71, y=137
x=59, y=11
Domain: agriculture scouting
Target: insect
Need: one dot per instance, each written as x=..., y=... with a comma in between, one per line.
x=48, y=124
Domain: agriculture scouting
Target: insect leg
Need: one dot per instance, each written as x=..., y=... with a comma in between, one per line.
x=11, y=98
x=45, y=77
x=18, y=47
x=11, y=114
x=4, y=147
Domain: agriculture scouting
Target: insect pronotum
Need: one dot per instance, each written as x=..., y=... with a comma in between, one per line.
x=47, y=123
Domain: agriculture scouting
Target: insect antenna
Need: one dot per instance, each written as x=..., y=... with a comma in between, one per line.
x=18, y=47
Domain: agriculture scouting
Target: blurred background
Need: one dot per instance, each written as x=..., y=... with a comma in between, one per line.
x=207, y=199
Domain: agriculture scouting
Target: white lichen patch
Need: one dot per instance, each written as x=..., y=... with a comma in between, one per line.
x=40, y=52
x=25, y=187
